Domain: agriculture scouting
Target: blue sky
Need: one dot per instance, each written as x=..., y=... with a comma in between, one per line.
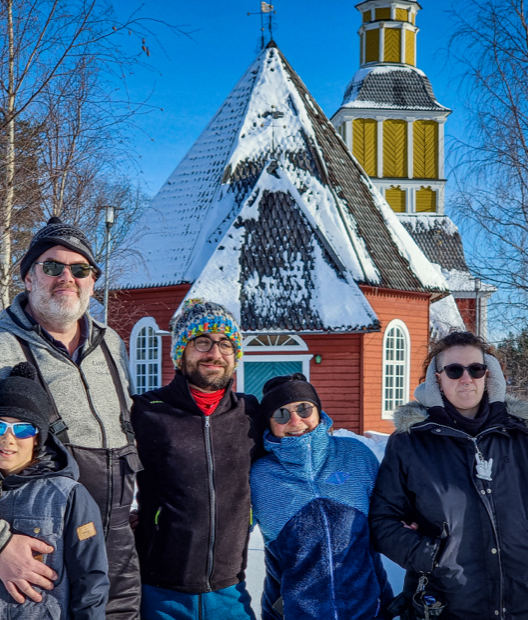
x=194, y=76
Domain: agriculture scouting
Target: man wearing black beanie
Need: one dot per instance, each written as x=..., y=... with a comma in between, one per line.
x=83, y=366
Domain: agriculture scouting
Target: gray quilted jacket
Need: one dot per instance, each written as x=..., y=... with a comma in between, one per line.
x=85, y=395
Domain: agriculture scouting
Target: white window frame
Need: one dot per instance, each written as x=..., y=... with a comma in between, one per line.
x=385, y=414
x=301, y=346
x=305, y=359
x=146, y=321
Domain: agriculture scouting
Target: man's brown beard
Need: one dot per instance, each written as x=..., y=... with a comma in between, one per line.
x=195, y=377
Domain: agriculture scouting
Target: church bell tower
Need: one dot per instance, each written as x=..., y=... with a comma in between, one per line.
x=390, y=118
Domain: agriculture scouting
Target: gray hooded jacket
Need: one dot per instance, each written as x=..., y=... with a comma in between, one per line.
x=84, y=394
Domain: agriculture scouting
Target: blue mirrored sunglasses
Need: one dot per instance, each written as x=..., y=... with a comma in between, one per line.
x=21, y=430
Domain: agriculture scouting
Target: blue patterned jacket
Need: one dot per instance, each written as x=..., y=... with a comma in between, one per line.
x=311, y=498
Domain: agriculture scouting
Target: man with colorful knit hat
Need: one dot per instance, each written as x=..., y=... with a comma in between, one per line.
x=196, y=439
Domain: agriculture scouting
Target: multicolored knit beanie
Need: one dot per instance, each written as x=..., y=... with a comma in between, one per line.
x=202, y=317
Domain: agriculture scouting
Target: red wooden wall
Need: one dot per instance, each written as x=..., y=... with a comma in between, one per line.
x=413, y=310
x=349, y=377
x=468, y=312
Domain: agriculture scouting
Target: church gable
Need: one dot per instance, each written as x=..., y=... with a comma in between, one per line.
x=277, y=271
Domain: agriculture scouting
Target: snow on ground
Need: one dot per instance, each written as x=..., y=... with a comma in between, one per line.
x=255, y=572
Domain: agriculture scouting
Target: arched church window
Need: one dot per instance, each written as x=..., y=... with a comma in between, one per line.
x=396, y=358
x=269, y=342
x=145, y=355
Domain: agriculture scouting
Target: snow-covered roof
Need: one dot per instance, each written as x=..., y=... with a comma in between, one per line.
x=270, y=123
x=388, y=87
x=285, y=277
x=444, y=317
x=464, y=282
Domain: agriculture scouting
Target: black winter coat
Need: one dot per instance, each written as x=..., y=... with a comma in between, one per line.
x=472, y=537
x=194, y=494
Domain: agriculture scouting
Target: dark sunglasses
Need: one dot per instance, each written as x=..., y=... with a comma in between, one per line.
x=455, y=371
x=21, y=430
x=54, y=269
x=283, y=415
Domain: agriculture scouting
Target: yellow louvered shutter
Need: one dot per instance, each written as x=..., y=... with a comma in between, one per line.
x=425, y=200
x=392, y=45
x=361, y=52
x=396, y=198
x=410, y=38
x=425, y=149
x=372, y=46
x=364, y=144
x=413, y=18
x=395, y=148
x=402, y=15
x=383, y=13
x=366, y=16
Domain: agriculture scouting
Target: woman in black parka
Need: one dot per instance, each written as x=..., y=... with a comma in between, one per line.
x=451, y=499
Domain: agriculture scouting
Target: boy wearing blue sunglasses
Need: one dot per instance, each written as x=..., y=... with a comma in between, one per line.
x=40, y=497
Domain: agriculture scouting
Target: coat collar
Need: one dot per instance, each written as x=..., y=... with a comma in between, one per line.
x=307, y=451
x=414, y=413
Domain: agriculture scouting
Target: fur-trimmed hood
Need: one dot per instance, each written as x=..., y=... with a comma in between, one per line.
x=414, y=412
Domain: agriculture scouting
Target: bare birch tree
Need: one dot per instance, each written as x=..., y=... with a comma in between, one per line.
x=490, y=43
x=62, y=68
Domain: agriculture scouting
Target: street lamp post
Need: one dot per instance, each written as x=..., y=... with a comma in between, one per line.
x=110, y=213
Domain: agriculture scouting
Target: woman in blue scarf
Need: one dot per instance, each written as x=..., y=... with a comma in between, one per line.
x=310, y=497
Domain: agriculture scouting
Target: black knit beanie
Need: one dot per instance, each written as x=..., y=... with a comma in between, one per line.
x=287, y=389
x=57, y=233
x=22, y=397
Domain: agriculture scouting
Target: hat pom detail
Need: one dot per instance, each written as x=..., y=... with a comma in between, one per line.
x=54, y=220
x=24, y=369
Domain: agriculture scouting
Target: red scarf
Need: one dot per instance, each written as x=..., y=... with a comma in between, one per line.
x=207, y=401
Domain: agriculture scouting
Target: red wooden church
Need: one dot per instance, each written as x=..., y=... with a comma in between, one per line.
x=271, y=215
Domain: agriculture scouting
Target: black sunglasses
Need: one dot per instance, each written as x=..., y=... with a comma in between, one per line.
x=283, y=415
x=54, y=269
x=455, y=371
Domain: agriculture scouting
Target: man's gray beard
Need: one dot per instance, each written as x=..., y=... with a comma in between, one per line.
x=195, y=377
x=58, y=312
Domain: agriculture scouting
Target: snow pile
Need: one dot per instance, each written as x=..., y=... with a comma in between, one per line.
x=445, y=317
x=377, y=442
x=463, y=281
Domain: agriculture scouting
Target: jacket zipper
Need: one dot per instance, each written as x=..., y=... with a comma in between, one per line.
x=327, y=532
x=212, y=495
x=496, y=533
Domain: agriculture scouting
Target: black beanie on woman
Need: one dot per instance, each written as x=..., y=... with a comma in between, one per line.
x=287, y=389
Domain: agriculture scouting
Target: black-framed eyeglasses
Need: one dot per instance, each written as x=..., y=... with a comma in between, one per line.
x=283, y=415
x=54, y=269
x=204, y=344
x=455, y=371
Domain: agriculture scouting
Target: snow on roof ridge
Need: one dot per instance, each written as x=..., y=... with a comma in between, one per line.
x=425, y=222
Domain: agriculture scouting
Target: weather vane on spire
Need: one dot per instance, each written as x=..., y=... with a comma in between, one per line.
x=265, y=9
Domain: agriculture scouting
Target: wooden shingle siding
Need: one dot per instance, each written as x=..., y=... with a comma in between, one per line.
x=395, y=149
x=425, y=149
x=392, y=45
x=365, y=144
x=413, y=310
